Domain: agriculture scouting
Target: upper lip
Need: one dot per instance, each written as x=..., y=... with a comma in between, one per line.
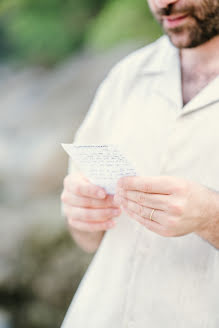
x=173, y=17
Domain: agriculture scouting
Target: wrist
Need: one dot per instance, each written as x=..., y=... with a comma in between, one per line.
x=87, y=240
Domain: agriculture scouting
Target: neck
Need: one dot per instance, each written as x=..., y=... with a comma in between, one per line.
x=204, y=58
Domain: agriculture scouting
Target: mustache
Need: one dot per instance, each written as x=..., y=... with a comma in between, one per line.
x=173, y=10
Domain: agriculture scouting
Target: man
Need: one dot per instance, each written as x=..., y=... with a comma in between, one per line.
x=157, y=263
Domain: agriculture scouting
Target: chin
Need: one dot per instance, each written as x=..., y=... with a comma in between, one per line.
x=180, y=41
x=183, y=38
x=186, y=38
x=186, y=43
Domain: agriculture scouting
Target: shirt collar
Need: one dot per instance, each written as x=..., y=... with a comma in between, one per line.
x=156, y=63
x=165, y=63
x=206, y=97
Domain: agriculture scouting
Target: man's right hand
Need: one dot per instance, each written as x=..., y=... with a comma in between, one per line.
x=87, y=207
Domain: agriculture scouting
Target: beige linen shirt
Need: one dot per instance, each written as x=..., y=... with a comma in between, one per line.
x=137, y=278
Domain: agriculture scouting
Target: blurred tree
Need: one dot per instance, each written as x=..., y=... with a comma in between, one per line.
x=46, y=31
x=121, y=21
x=4, y=46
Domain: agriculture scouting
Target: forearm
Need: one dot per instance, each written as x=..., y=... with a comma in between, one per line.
x=88, y=241
x=210, y=232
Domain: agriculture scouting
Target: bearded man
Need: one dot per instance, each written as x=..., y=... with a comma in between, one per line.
x=157, y=239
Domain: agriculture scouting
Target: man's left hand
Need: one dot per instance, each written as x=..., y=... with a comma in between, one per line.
x=180, y=206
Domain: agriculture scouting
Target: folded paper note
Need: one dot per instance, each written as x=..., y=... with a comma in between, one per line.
x=103, y=165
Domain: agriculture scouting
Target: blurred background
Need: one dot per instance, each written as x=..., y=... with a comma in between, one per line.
x=53, y=55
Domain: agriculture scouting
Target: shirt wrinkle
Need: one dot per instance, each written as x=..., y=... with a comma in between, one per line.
x=137, y=278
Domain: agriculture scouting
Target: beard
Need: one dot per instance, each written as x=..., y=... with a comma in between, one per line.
x=202, y=25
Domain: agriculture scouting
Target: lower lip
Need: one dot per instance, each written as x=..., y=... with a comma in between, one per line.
x=170, y=23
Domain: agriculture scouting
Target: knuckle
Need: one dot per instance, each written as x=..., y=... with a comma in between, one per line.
x=169, y=205
x=141, y=210
x=176, y=208
x=178, y=188
x=146, y=187
x=85, y=203
x=135, y=208
x=141, y=198
x=78, y=189
x=107, y=213
x=96, y=214
x=171, y=222
x=163, y=201
x=90, y=203
x=90, y=190
x=90, y=215
x=181, y=187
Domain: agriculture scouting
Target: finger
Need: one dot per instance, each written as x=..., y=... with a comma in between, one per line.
x=144, y=212
x=82, y=187
x=94, y=215
x=150, y=225
x=91, y=227
x=152, y=185
x=148, y=200
x=88, y=202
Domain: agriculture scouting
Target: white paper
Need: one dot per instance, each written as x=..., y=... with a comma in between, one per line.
x=103, y=165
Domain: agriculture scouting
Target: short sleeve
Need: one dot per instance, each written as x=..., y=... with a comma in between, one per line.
x=97, y=126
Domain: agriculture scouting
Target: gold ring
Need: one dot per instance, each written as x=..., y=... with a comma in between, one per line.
x=152, y=212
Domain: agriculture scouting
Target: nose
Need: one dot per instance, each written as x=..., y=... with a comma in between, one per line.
x=164, y=3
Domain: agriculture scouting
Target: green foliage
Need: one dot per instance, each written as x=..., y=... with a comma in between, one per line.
x=46, y=31
x=43, y=37
x=5, y=5
x=121, y=21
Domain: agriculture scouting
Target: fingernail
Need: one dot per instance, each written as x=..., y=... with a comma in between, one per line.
x=101, y=194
